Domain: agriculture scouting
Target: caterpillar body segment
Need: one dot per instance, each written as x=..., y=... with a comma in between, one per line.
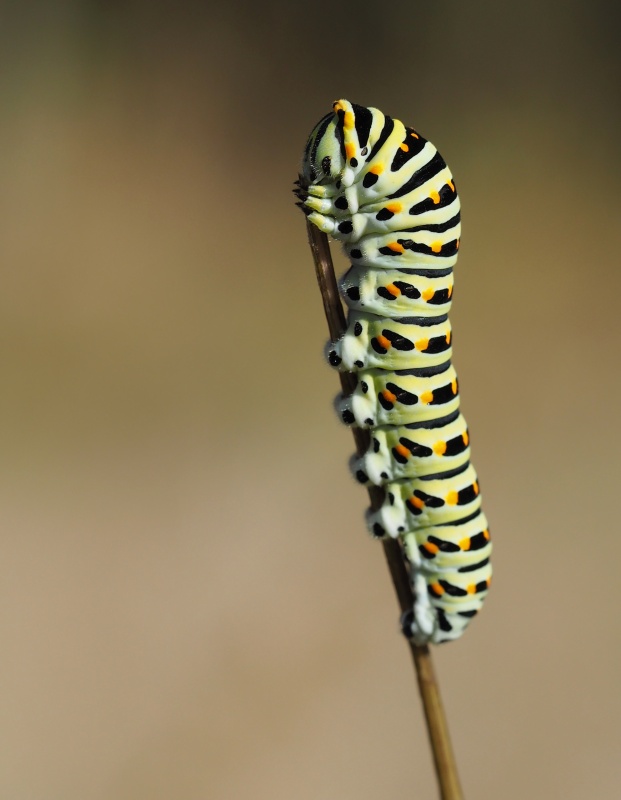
x=411, y=451
x=341, y=216
x=392, y=344
x=388, y=252
x=382, y=397
x=426, y=501
x=396, y=292
x=458, y=548
x=384, y=192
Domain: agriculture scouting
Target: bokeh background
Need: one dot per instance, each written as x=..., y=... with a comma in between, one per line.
x=190, y=606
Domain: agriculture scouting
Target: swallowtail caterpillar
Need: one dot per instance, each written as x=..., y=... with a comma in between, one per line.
x=386, y=193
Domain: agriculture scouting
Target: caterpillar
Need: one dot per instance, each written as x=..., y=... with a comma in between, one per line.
x=386, y=193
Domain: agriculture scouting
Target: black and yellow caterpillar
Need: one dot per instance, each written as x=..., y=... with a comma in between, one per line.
x=386, y=193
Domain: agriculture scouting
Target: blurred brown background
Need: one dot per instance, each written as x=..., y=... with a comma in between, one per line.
x=190, y=605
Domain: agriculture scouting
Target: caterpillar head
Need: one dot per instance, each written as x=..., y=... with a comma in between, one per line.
x=338, y=144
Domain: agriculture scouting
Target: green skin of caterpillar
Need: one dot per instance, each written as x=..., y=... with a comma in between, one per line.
x=385, y=192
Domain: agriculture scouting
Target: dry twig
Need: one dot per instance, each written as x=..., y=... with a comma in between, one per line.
x=437, y=728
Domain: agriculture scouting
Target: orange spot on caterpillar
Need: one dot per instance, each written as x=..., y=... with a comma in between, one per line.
x=436, y=247
x=415, y=135
x=396, y=247
x=448, y=337
x=486, y=534
x=389, y=396
x=452, y=498
x=383, y=342
x=377, y=169
x=439, y=448
x=465, y=544
x=475, y=486
x=350, y=149
x=394, y=207
x=435, y=197
x=428, y=294
x=472, y=588
x=451, y=185
x=466, y=438
x=421, y=344
x=403, y=146
x=431, y=548
x=436, y=588
x=392, y=289
x=457, y=244
x=403, y=451
x=426, y=397
x=417, y=502
x=450, y=291
x=454, y=390
x=348, y=122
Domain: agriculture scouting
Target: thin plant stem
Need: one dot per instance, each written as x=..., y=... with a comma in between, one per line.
x=437, y=728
